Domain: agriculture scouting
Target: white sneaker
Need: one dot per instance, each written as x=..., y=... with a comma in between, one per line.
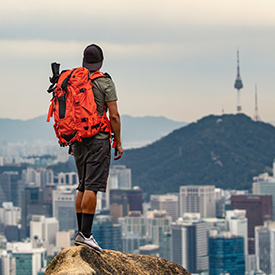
x=80, y=239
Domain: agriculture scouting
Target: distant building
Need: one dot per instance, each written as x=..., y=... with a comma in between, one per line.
x=258, y=210
x=272, y=249
x=38, y=176
x=43, y=230
x=165, y=246
x=169, y=203
x=265, y=185
x=119, y=205
x=63, y=238
x=262, y=248
x=107, y=234
x=189, y=243
x=7, y=263
x=149, y=249
x=11, y=187
x=238, y=225
x=9, y=214
x=69, y=178
x=198, y=199
x=159, y=222
x=124, y=200
x=64, y=206
x=120, y=177
x=216, y=224
x=220, y=203
x=33, y=204
x=135, y=223
x=28, y=260
x=226, y=255
x=131, y=242
x=13, y=233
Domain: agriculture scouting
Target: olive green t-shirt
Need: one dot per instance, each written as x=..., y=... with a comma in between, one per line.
x=104, y=90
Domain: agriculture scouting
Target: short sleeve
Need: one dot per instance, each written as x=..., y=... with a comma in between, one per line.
x=108, y=87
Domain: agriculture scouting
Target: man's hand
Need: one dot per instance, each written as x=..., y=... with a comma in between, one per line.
x=118, y=151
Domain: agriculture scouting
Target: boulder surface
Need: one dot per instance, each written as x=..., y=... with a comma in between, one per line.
x=76, y=260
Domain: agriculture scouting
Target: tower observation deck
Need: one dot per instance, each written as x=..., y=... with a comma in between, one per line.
x=238, y=84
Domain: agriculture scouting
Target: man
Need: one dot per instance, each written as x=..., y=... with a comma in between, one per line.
x=92, y=155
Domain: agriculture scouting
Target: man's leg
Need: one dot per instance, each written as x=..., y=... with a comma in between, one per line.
x=78, y=209
x=88, y=207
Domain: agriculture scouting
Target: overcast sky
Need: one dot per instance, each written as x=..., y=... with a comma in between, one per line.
x=172, y=58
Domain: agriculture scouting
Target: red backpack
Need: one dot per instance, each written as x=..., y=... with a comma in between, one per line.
x=74, y=108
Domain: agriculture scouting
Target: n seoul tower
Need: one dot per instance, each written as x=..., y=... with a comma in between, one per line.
x=238, y=84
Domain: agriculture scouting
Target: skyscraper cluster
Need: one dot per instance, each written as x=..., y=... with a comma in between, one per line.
x=205, y=229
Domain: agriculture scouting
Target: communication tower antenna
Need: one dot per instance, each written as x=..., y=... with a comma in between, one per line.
x=256, y=116
x=238, y=84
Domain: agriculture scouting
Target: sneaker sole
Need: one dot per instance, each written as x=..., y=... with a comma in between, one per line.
x=86, y=245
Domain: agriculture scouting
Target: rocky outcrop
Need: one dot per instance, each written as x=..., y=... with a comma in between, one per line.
x=76, y=260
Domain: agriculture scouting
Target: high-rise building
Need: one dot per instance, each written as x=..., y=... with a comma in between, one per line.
x=7, y=264
x=11, y=187
x=265, y=185
x=120, y=177
x=238, y=226
x=272, y=249
x=124, y=200
x=165, y=246
x=38, y=176
x=169, y=203
x=69, y=178
x=197, y=199
x=131, y=242
x=258, y=210
x=9, y=214
x=64, y=206
x=28, y=260
x=226, y=254
x=43, y=230
x=159, y=230
x=262, y=248
x=159, y=222
x=107, y=234
x=135, y=223
x=119, y=205
x=189, y=243
x=33, y=204
x=220, y=203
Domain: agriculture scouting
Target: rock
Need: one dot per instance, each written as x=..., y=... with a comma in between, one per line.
x=80, y=260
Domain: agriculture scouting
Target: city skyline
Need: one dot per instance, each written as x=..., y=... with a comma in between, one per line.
x=176, y=60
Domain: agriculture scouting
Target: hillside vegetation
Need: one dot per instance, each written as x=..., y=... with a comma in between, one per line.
x=225, y=151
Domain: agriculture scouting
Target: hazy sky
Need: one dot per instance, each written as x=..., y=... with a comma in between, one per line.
x=172, y=58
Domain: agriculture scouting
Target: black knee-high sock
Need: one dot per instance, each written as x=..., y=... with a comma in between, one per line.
x=79, y=220
x=87, y=223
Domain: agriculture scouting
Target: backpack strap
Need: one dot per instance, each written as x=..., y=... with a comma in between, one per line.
x=98, y=74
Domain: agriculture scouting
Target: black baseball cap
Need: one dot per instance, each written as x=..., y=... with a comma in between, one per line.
x=92, y=57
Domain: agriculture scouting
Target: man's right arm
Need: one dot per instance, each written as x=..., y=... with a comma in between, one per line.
x=115, y=124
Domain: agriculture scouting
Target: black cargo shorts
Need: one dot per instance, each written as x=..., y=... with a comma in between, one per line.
x=92, y=162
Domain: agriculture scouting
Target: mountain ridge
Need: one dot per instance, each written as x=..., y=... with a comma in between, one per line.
x=136, y=131
x=225, y=151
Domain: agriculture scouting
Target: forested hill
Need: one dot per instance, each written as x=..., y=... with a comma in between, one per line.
x=225, y=151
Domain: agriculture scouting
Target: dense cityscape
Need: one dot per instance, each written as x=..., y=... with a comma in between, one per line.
x=205, y=229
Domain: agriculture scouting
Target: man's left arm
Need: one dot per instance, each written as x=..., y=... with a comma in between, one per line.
x=115, y=124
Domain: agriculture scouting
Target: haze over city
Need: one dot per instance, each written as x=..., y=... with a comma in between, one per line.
x=176, y=59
